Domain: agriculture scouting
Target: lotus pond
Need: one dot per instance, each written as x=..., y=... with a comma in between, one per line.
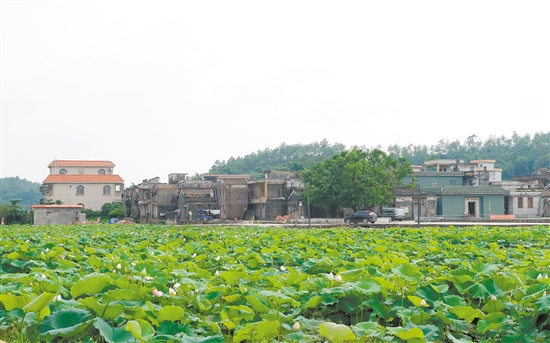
x=142, y=283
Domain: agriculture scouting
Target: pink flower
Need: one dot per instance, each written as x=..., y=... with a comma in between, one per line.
x=157, y=293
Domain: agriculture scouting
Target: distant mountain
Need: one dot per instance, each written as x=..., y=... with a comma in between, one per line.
x=15, y=188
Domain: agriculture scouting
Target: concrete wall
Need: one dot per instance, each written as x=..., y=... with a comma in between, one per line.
x=57, y=216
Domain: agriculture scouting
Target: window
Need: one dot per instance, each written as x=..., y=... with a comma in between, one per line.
x=530, y=202
x=453, y=182
x=520, y=202
x=101, y=172
x=81, y=171
x=62, y=171
x=79, y=190
x=106, y=190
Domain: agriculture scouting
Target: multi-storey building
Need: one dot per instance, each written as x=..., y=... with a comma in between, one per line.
x=87, y=183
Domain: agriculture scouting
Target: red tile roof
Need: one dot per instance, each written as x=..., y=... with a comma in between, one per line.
x=57, y=206
x=80, y=163
x=84, y=178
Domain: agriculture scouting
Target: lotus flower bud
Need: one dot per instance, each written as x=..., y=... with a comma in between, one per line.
x=539, y=277
x=493, y=298
x=283, y=268
x=331, y=276
x=194, y=255
x=296, y=326
x=338, y=278
x=217, y=273
x=177, y=285
x=118, y=266
x=218, y=258
x=423, y=303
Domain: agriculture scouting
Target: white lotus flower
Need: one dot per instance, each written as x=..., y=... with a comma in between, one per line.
x=44, y=276
x=194, y=255
x=217, y=273
x=338, y=278
x=423, y=303
x=283, y=268
x=47, y=249
x=177, y=285
x=57, y=297
x=296, y=326
x=172, y=292
x=118, y=266
x=331, y=276
x=218, y=258
x=539, y=277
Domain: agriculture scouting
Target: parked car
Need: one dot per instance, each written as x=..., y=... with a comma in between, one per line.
x=394, y=213
x=363, y=217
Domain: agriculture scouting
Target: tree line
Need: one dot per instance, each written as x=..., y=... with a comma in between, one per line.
x=516, y=155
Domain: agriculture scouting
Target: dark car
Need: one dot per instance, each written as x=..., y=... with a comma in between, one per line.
x=363, y=217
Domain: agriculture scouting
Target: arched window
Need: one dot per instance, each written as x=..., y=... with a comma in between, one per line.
x=106, y=190
x=101, y=172
x=63, y=171
x=79, y=190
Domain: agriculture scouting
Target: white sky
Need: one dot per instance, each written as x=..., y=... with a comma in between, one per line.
x=160, y=87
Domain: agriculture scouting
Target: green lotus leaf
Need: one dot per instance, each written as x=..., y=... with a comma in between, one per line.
x=170, y=313
x=107, y=311
x=209, y=339
x=111, y=334
x=64, y=323
x=90, y=284
x=257, y=304
x=314, y=302
x=407, y=271
x=467, y=312
x=49, y=286
x=241, y=311
x=140, y=329
x=543, y=303
x=493, y=306
x=352, y=275
x=14, y=301
x=336, y=332
x=367, y=286
x=261, y=331
x=492, y=321
x=39, y=302
x=368, y=329
x=484, y=268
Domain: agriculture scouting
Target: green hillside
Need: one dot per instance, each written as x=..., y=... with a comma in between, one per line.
x=27, y=192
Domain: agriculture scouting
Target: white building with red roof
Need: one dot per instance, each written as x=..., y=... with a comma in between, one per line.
x=79, y=182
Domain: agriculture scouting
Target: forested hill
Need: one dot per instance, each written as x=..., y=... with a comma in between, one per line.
x=516, y=155
x=27, y=192
x=292, y=157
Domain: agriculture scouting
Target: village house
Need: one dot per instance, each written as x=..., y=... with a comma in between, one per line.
x=461, y=189
x=77, y=182
x=529, y=195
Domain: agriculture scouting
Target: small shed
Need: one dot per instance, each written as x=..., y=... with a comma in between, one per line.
x=58, y=214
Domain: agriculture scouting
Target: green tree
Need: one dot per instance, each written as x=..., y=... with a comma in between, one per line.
x=14, y=213
x=356, y=179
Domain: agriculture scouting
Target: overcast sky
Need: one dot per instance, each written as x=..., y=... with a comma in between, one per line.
x=161, y=87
